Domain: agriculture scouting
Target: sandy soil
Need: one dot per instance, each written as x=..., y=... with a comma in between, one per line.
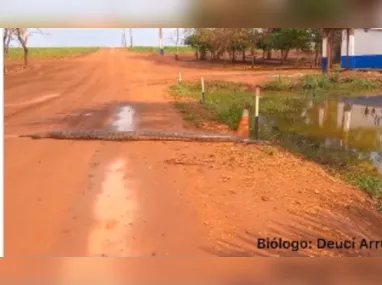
x=154, y=199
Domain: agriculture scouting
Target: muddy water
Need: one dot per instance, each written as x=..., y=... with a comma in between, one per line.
x=352, y=124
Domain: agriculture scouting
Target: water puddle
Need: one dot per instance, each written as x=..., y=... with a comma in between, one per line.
x=125, y=119
x=353, y=124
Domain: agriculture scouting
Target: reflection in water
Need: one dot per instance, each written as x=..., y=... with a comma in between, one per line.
x=304, y=113
x=376, y=158
x=340, y=114
x=321, y=114
x=340, y=123
x=347, y=120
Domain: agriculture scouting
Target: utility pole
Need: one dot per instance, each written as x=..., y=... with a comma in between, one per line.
x=161, y=49
x=124, y=43
x=347, y=48
x=177, y=44
x=131, y=37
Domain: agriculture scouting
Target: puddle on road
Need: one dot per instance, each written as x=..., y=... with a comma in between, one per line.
x=114, y=115
x=352, y=124
x=125, y=119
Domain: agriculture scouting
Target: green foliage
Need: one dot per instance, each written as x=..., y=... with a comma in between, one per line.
x=224, y=100
x=281, y=83
x=217, y=41
x=372, y=184
x=313, y=82
x=291, y=38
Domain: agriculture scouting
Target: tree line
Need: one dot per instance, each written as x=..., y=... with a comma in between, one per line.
x=216, y=43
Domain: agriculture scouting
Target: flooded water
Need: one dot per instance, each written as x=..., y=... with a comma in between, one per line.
x=352, y=124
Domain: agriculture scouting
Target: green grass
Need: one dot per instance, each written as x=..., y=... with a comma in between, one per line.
x=47, y=53
x=312, y=82
x=171, y=49
x=225, y=102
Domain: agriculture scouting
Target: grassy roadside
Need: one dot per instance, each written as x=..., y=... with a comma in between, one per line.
x=311, y=82
x=171, y=49
x=50, y=53
x=224, y=104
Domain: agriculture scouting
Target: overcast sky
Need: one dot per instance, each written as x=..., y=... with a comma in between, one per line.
x=69, y=10
x=93, y=13
x=100, y=37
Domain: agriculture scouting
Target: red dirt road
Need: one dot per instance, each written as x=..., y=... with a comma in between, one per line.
x=154, y=199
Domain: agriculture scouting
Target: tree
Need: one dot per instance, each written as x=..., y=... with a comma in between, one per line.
x=286, y=39
x=316, y=40
x=265, y=42
x=176, y=39
x=334, y=36
x=8, y=37
x=253, y=35
x=219, y=41
x=200, y=40
x=239, y=41
x=177, y=44
x=193, y=41
x=22, y=35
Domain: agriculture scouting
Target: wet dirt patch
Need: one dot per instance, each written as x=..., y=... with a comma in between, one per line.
x=98, y=117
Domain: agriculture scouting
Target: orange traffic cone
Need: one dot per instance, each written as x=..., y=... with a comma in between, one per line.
x=243, y=129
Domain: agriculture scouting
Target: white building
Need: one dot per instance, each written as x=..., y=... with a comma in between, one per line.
x=362, y=48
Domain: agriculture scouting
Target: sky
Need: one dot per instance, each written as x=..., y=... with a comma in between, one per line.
x=48, y=10
x=100, y=37
x=87, y=13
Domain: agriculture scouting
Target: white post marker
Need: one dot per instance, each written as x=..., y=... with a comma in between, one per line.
x=203, y=90
x=161, y=48
x=180, y=77
x=321, y=115
x=257, y=106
